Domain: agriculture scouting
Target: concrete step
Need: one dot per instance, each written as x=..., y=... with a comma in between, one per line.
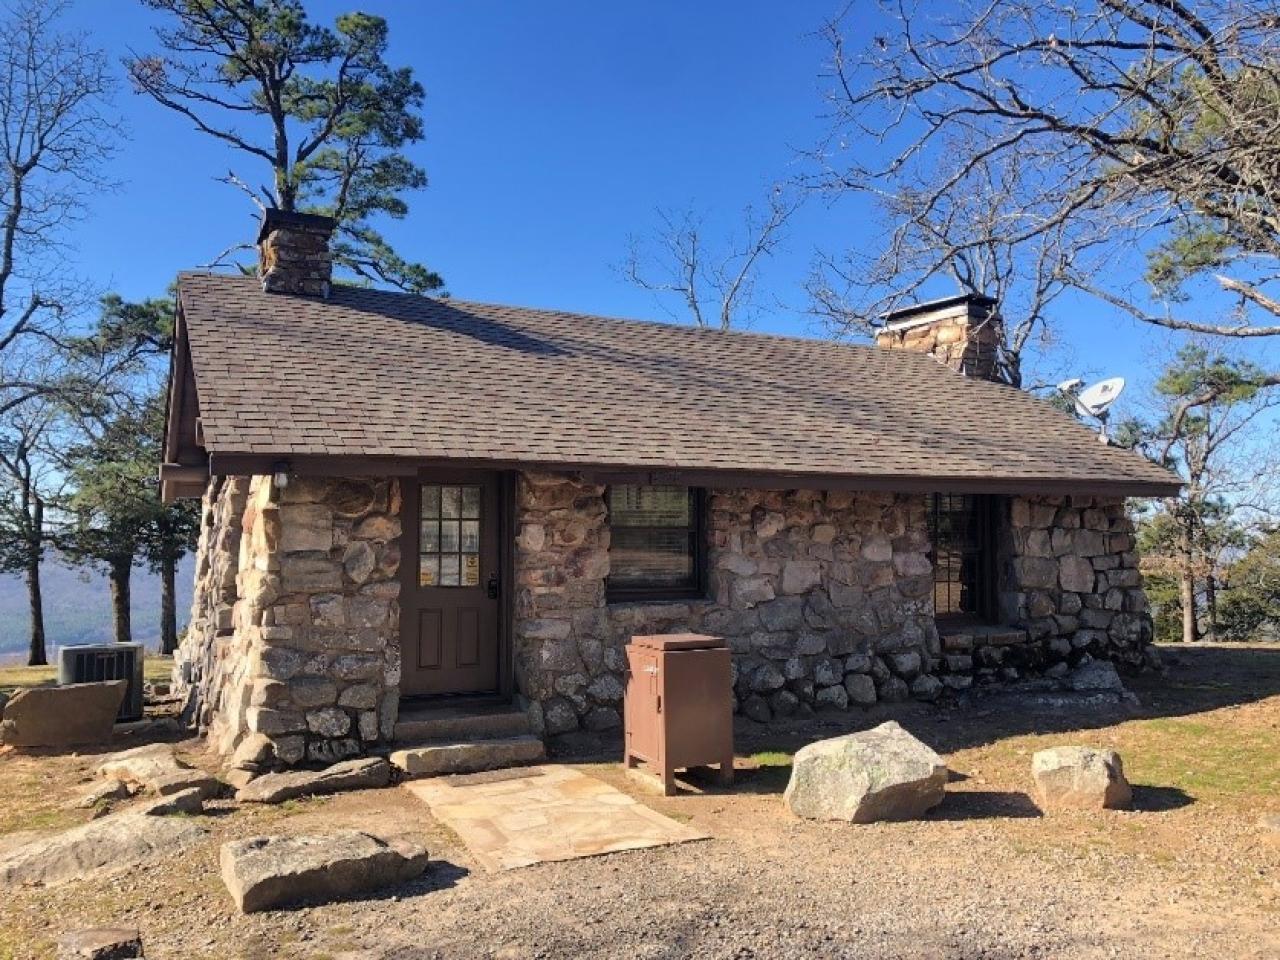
x=435, y=758
x=461, y=725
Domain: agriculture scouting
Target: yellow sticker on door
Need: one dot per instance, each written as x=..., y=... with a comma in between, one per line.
x=471, y=570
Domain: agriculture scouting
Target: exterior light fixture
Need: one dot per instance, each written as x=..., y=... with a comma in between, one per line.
x=280, y=474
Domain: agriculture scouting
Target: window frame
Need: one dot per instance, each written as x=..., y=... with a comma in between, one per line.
x=697, y=590
x=988, y=512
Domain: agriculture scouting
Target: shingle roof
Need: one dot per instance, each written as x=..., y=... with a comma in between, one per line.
x=388, y=374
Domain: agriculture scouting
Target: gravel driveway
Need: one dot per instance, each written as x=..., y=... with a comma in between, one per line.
x=1187, y=874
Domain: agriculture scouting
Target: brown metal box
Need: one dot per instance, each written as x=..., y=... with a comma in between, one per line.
x=679, y=705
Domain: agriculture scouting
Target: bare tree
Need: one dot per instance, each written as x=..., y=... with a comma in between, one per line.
x=29, y=483
x=1155, y=119
x=975, y=240
x=714, y=283
x=55, y=136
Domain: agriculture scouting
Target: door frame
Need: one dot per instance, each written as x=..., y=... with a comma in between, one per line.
x=408, y=574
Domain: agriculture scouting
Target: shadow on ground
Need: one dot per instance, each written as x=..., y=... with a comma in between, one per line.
x=1198, y=679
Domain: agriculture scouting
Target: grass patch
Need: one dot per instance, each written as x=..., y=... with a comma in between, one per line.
x=770, y=758
x=155, y=669
x=1213, y=756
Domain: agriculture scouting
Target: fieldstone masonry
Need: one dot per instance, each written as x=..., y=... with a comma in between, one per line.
x=825, y=598
x=299, y=660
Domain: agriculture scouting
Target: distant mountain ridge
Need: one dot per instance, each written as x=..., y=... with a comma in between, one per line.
x=77, y=607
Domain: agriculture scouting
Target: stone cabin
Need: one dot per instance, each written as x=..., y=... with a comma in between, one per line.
x=412, y=504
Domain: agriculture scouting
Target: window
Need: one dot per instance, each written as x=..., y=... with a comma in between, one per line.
x=449, y=536
x=656, y=543
x=962, y=531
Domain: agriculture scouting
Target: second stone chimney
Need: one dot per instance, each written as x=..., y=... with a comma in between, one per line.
x=293, y=253
x=963, y=332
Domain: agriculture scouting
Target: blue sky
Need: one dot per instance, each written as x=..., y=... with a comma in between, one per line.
x=554, y=130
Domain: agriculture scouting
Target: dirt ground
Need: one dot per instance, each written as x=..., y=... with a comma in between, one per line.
x=1188, y=873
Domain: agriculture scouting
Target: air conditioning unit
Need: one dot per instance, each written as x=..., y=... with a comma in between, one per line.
x=94, y=663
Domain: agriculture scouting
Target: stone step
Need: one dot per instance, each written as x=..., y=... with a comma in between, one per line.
x=461, y=725
x=433, y=759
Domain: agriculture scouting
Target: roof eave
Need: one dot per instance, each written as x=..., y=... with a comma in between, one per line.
x=227, y=463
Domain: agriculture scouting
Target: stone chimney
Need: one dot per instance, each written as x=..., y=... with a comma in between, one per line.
x=963, y=332
x=293, y=253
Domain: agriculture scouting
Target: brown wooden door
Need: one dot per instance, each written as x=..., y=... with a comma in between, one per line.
x=449, y=614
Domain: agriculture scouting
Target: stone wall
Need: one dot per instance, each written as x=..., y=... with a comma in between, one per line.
x=308, y=667
x=825, y=599
x=1072, y=579
x=210, y=663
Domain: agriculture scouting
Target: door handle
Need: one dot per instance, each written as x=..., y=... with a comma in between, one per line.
x=491, y=588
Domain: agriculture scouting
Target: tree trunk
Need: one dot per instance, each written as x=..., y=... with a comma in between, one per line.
x=1187, y=586
x=1211, y=607
x=168, y=606
x=120, y=571
x=38, y=657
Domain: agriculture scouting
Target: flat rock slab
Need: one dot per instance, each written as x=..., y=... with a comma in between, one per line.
x=102, y=846
x=101, y=943
x=264, y=873
x=156, y=769
x=433, y=760
x=54, y=717
x=880, y=774
x=1080, y=778
x=551, y=813
x=363, y=774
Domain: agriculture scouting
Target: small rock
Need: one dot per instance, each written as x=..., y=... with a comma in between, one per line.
x=189, y=801
x=757, y=709
x=833, y=697
x=263, y=873
x=1080, y=777
x=111, y=790
x=861, y=689
x=879, y=774
x=101, y=943
x=157, y=770
x=349, y=775
x=926, y=687
x=894, y=689
x=1094, y=675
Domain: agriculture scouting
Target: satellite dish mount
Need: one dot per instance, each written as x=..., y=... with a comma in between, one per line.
x=1095, y=401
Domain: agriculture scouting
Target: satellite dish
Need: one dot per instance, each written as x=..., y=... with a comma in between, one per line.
x=1096, y=401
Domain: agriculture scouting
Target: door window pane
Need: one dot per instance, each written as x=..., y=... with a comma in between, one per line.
x=449, y=547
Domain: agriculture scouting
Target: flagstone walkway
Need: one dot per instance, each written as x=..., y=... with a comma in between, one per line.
x=516, y=818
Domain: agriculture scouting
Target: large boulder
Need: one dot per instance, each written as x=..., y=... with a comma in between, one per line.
x=1080, y=777
x=263, y=873
x=880, y=774
x=156, y=769
x=102, y=846
x=348, y=775
x=67, y=716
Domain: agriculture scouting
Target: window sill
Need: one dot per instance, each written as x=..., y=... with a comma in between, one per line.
x=652, y=599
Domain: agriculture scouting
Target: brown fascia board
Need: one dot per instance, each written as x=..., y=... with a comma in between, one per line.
x=228, y=464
